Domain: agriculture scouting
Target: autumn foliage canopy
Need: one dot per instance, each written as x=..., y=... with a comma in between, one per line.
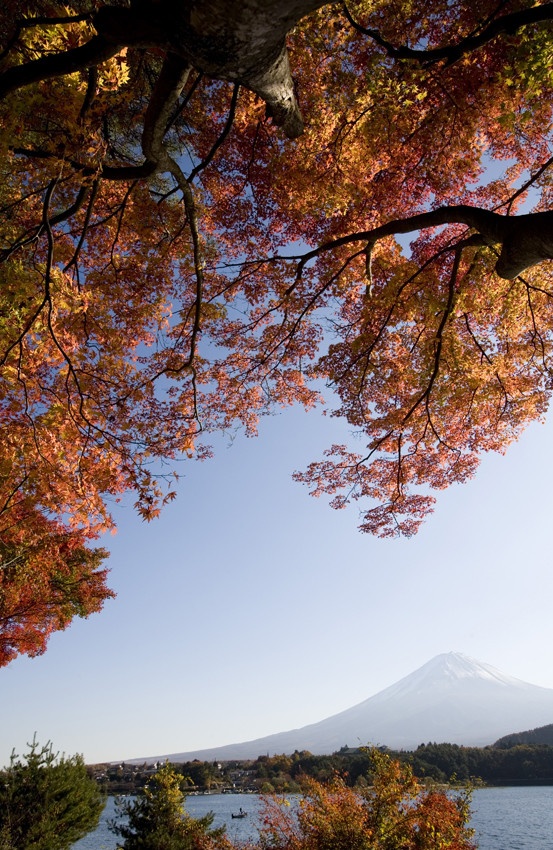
x=199, y=222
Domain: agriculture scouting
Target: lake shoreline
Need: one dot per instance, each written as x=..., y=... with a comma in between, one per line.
x=503, y=817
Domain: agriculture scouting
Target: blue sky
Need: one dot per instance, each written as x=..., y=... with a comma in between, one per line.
x=250, y=608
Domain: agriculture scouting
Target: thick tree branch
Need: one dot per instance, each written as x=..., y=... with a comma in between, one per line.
x=525, y=239
x=27, y=23
x=161, y=108
x=276, y=87
x=94, y=52
x=165, y=95
x=167, y=90
x=506, y=24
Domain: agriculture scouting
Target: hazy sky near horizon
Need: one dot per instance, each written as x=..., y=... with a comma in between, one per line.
x=250, y=608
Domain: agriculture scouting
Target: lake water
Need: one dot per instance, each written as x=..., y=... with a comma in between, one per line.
x=504, y=818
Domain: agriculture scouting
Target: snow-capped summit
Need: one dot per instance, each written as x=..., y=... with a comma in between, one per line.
x=452, y=698
x=446, y=671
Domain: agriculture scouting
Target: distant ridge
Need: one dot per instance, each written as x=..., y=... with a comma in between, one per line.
x=451, y=699
x=542, y=735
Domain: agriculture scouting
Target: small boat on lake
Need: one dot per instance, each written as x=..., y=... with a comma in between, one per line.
x=240, y=814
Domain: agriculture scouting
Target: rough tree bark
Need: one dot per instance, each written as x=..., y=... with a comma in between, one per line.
x=243, y=42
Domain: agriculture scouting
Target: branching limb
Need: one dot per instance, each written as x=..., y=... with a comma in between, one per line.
x=226, y=130
x=117, y=27
x=160, y=111
x=30, y=322
x=369, y=268
x=190, y=207
x=91, y=89
x=159, y=114
x=93, y=196
x=506, y=24
x=425, y=395
x=94, y=52
x=526, y=185
x=27, y=23
x=525, y=239
x=63, y=215
x=167, y=90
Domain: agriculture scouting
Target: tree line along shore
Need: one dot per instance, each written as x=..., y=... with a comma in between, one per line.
x=500, y=764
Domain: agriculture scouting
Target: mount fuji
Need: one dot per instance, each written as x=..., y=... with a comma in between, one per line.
x=452, y=698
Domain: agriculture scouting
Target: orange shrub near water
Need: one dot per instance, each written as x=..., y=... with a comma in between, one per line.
x=394, y=813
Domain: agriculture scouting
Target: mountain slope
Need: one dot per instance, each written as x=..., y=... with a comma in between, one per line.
x=452, y=698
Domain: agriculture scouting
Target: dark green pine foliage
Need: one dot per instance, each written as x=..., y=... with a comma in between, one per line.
x=541, y=735
x=158, y=821
x=47, y=802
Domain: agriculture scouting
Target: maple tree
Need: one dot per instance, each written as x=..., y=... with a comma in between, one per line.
x=200, y=205
x=394, y=812
x=48, y=576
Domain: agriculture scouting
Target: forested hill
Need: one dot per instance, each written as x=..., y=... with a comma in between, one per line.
x=541, y=735
x=521, y=764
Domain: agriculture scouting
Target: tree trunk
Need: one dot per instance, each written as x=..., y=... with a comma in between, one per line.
x=242, y=41
x=528, y=240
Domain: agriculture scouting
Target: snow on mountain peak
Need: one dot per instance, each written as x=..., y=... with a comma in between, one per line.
x=449, y=671
x=456, y=665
